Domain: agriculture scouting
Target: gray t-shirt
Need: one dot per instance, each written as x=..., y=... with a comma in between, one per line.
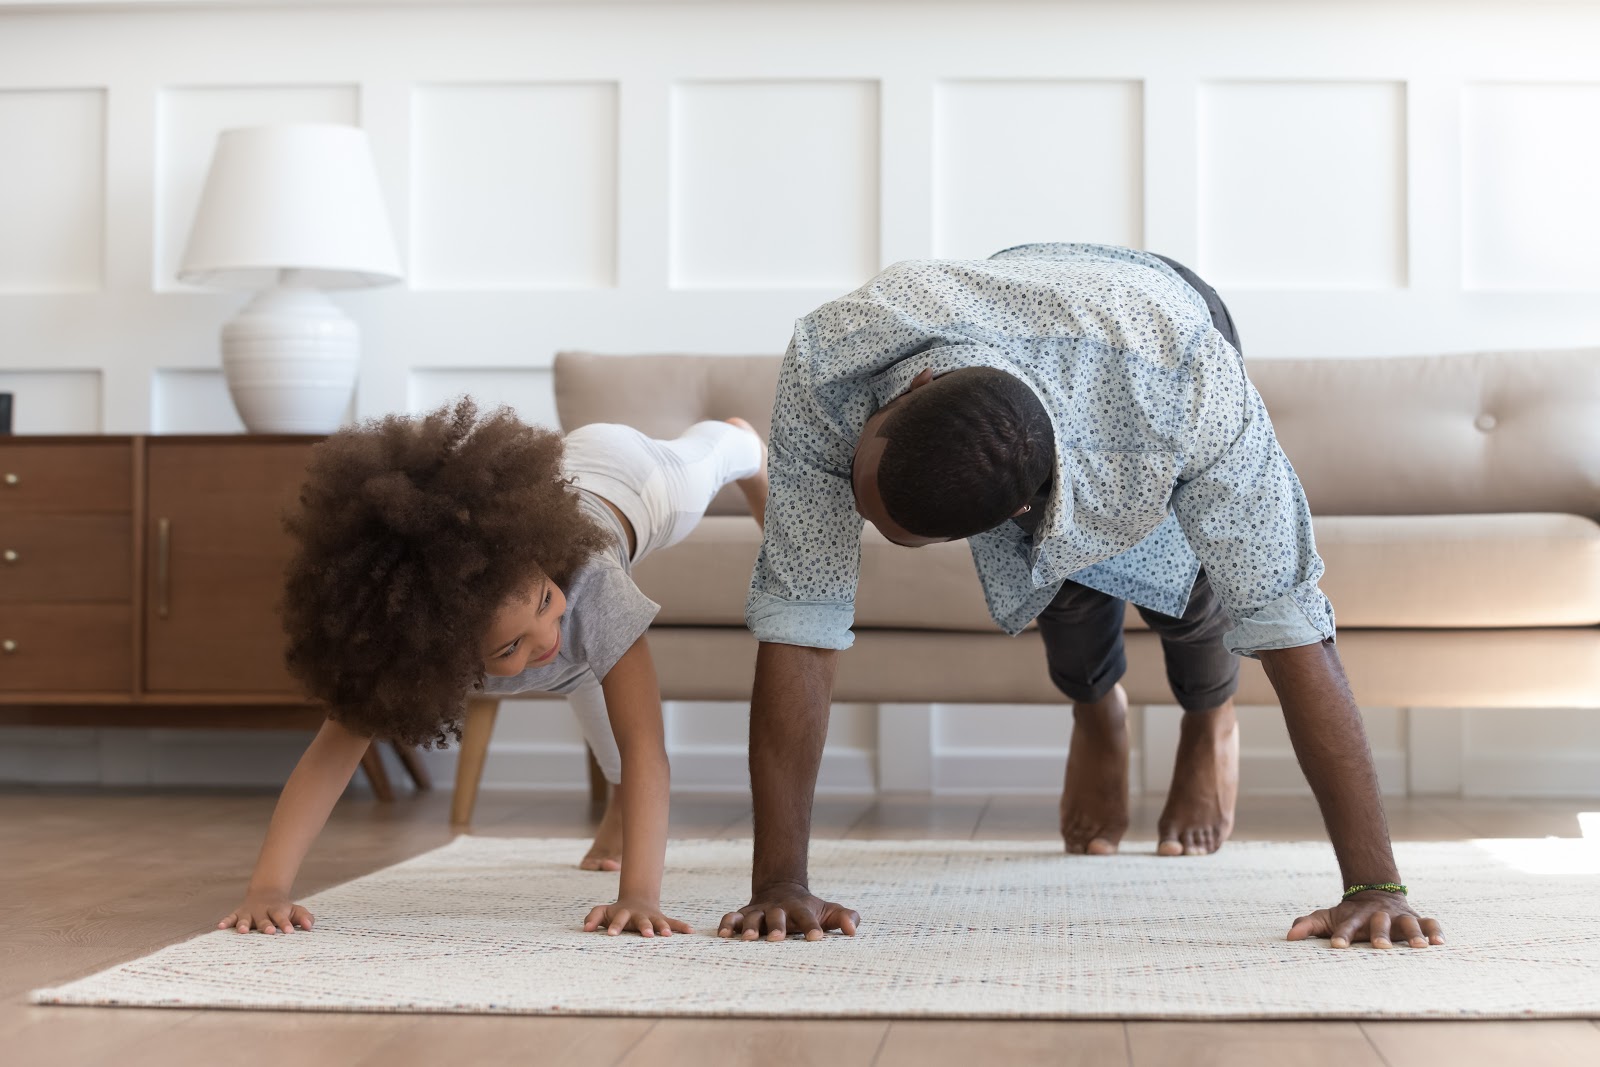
x=606, y=613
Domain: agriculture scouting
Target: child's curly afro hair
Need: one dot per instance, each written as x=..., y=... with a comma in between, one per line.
x=411, y=534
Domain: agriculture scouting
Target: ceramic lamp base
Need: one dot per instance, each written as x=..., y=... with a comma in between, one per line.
x=290, y=358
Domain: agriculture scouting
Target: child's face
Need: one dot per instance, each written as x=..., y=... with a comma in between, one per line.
x=526, y=632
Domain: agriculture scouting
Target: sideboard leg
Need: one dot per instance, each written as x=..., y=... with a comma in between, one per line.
x=372, y=763
x=475, y=735
x=415, y=768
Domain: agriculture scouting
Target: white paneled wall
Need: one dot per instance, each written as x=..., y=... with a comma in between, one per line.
x=1528, y=164
x=1325, y=208
x=1014, y=159
x=1356, y=179
x=774, y=184
x=514, y=186
x=53, y=186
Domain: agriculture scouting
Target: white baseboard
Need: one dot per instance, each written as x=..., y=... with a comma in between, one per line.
x=1029, y=771
x=37, y=756
x=695, y=768
x=1526, y=774
x=1275, y=773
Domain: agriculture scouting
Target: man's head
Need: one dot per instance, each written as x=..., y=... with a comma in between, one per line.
x=426, y=548
x=953, y=456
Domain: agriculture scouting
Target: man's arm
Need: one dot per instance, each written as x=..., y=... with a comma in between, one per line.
x=1331, y=745
x=801, y=604
x=788, y=726
x=1244, y=513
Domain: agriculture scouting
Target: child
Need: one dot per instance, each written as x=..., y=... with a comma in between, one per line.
x=447, y=553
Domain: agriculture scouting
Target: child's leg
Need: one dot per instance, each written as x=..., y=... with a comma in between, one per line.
x=693, y=468
x=755, y=486
x=588, y=703
x=664, y=487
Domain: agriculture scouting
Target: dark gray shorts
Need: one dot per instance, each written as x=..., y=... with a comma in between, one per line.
x=1082, y=627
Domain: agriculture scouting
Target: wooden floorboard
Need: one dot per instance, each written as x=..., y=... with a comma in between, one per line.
x=965, y=1043
x=1251, y=1044
x=718, y=1042
x=1545, y=1042
x=91, y=879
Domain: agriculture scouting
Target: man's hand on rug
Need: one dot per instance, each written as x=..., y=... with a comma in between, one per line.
x=642, y=916
x=1375, y=916
x=788, y=909
x=271, y=913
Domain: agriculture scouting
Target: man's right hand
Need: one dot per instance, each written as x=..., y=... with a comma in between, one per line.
x=788, y=909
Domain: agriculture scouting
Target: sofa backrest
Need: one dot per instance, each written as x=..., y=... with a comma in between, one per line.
x=1432, y=435
x=1411, y=435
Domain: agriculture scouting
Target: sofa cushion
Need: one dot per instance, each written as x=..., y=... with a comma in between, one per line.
x=1384, y=572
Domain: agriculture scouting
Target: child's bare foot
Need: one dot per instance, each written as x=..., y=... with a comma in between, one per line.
x=754, y=487
x=606, y=852
x=1094, y=801
x=1198, y=816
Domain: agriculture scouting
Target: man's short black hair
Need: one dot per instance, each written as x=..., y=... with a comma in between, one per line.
x=964, y=452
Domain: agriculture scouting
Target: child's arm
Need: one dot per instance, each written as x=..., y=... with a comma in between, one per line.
x=307, y=799
x=633, y=702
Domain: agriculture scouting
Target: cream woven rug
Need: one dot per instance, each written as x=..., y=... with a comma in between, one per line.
x=958, y=928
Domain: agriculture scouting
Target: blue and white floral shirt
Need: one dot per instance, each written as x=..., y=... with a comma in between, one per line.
x=1165, y=458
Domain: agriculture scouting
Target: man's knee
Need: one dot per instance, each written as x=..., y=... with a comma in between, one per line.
x=1082, y=684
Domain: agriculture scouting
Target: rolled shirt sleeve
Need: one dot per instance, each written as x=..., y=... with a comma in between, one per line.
x=1244, y=513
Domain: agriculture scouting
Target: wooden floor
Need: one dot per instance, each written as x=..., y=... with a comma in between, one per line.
x=91, y=879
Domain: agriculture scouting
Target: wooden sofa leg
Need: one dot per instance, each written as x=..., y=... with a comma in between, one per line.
x=475, y=737
x=412, y=762
x=372, y=763
x=599, y=788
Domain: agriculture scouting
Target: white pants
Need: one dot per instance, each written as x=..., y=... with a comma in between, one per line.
x=664, y=488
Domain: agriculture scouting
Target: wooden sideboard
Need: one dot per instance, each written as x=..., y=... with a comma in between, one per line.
x=140, y=580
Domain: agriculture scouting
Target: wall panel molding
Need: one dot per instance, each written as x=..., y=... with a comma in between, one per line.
x=514, y=186
x=52, y=190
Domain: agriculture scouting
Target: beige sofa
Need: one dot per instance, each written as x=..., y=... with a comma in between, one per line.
x=1455, y=500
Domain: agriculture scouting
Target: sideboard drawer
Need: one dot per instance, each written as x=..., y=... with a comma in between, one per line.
x=37, y=476
x=78, y=648
x=57, y=559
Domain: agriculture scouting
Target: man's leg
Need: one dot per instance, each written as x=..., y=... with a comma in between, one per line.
x=1082, y=630
x=1204, y=675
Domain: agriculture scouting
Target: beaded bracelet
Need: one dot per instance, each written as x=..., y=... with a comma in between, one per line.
x=1387, y=887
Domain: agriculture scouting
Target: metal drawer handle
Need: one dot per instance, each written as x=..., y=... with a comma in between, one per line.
x=163, y=559
x=10, y=555
x=8, y=646
x=12, y=479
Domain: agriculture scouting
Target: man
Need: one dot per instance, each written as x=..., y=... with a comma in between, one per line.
x=1076, y=412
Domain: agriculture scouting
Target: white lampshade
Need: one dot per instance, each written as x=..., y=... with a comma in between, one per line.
x=291, y=197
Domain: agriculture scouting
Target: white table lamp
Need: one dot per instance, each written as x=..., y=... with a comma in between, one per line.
x=291, y=210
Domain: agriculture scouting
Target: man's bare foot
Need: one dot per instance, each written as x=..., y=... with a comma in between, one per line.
x=606, y=852
x=1198, y=816
x=755, y=486
x=1094, y=801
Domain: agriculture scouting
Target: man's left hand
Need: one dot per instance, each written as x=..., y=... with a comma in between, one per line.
x=1375, y=916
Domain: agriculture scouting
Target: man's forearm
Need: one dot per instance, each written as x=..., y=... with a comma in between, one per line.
x=1331, y=743
x=788, y=727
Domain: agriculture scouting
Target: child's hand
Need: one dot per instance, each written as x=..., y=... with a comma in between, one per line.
x=643, y=916
x=271, y=913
